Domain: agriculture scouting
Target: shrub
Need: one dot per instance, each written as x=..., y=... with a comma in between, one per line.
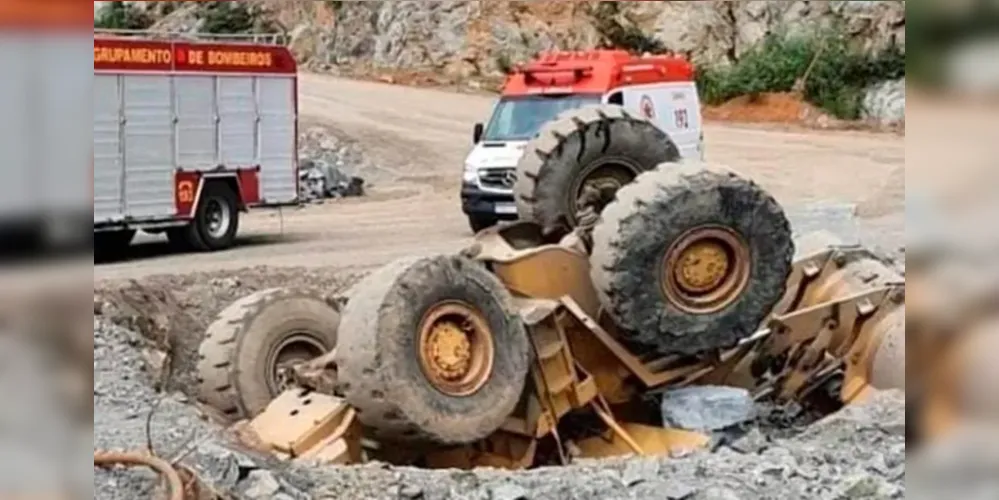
x=122, y=16
x=836, y=83
x=504, y=63
x=227, y=17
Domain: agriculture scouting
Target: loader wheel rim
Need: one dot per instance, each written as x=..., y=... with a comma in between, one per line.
x=705, y=270
x=456, y=349
x=217, y=218
x=609, y=174
x=298, y=348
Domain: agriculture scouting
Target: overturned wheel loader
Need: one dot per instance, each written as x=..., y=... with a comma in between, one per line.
x=545, y=340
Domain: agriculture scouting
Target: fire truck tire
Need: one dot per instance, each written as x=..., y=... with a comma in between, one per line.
x=179, y=238
x=429, y=351
x=690, y=258
x=596, y=146
x=216, y=220
x=243, y=349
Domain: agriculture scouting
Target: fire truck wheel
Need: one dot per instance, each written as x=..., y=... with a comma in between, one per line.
x=216, y=220
x=599, y=147
x=245, y=349
x=690, y=258
x=429, y=352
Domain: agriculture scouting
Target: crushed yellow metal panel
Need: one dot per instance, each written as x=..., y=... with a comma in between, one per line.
x=652, y=440
x=539, y=272
x=632, y=363
x=500, y=450
x=561, y=387
x=342, y=446
x=298, y=420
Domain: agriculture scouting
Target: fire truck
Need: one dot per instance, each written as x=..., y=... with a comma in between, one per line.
x=188, y=134
x=656, y=88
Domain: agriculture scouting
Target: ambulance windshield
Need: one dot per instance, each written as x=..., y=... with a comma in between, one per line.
x=520, y=118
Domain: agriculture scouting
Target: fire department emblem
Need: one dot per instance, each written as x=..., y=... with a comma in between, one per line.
x=185, y=192
x=647, y=107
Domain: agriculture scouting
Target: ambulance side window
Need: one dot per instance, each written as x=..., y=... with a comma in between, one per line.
x=616, y=98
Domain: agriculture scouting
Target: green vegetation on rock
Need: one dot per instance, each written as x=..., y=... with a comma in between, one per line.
x=835, y=80
x=228, y=18
x=122, y=16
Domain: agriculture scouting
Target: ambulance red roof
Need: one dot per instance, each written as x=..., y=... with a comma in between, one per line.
x=597, y=72
x=129, y=54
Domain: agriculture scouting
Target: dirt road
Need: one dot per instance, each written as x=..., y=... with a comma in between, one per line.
x=421, y=136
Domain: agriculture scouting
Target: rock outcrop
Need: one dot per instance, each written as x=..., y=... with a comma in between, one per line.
x=461, y=39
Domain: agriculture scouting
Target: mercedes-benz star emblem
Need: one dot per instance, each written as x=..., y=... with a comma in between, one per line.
x=509, y=178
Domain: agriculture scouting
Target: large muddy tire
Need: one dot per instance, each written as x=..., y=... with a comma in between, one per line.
x=604, y=147
x=430, y=352
x=691, y=258
x=255, y=336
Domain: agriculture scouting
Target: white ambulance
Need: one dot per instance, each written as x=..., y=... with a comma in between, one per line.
x=660, y=88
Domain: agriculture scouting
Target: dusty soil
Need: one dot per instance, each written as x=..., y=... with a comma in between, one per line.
x=419, y=137
x=777, y=107
x=790, y=111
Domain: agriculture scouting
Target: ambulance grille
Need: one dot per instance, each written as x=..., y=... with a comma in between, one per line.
x=498, y=178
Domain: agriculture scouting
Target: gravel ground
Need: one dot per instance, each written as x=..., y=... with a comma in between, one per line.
x=858, y=453
x=884, y=234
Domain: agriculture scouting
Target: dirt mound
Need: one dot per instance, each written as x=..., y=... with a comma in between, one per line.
x=889, y=199
x=173, y=311
x=777, y=107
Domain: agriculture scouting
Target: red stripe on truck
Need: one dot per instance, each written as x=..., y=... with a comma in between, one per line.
x=249, y=185
x=189, y=183
x=119, y=54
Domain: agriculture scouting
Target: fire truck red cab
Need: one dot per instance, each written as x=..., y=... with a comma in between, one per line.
x=660, y=88
x=187, y=135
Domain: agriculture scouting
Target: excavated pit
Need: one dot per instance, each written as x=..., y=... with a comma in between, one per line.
x=146, y=335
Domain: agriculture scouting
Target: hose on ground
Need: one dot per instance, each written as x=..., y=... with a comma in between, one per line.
x=160, y=466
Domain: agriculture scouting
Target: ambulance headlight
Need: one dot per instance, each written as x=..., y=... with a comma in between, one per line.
x=470, y=175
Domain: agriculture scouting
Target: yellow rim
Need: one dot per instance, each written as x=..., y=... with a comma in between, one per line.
x=705, y=270
x=456, y=348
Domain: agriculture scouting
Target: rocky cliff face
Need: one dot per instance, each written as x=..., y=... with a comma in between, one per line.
x=461, y=39
x=475, y=37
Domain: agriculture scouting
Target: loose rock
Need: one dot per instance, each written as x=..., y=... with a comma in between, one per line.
x=261, y=485
x=707, y=408
x=885, y=103
x=509, y=492
x=714, y=493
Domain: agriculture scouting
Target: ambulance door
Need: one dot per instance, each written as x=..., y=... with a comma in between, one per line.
x=674, y=107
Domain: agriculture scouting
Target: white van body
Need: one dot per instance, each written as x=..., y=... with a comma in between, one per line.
x=490, y=168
